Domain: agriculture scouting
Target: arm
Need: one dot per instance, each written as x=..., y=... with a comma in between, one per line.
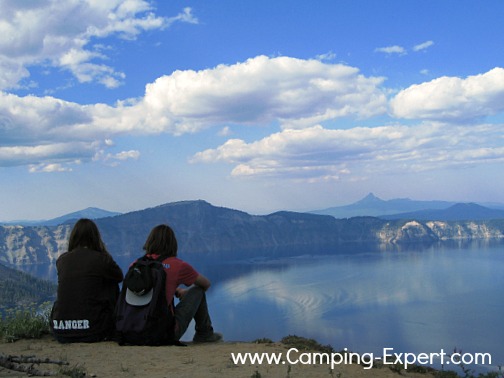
x=190, y=277
x=202, y=282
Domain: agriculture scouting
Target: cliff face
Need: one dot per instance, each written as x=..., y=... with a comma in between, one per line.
x=431, y=231
x=32, y=245
x=203, y=228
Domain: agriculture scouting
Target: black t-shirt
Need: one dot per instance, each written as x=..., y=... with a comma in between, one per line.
x=87, y=292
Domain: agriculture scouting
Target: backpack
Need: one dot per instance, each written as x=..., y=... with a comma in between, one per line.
x=142, y=314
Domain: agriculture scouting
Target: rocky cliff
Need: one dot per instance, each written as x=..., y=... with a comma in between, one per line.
x=206, y=229
x=32, y=245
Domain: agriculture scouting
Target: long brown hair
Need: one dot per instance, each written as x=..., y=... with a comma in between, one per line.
x=85, y=234
x=161, y=241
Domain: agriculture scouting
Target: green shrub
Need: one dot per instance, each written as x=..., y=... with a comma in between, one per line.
x=263, y=340
x=28, y=322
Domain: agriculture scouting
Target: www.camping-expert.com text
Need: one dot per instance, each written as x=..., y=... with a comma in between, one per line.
x=293, y=357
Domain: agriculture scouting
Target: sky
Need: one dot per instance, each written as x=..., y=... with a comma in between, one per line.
x=256, y=105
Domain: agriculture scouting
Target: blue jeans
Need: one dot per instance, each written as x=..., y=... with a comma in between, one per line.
x=193, y=306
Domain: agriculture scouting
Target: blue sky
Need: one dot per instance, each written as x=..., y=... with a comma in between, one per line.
x=253, y=105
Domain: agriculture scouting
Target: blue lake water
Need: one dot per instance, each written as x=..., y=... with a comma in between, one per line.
x=421, y=300
x=414, y=301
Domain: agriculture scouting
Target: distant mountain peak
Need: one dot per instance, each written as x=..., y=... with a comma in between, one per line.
x=371, y=205
x=468, y=205
x=89, y=212
x=198, y=202
x=370, y=198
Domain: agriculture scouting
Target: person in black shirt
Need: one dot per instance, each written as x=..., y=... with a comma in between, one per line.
x=88, y=287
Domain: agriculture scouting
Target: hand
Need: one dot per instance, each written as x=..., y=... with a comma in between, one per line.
x=180, y=293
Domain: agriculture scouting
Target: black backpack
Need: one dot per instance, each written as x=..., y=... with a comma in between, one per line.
x=143, y=316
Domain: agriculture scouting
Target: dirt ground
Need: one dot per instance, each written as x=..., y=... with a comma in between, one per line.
x=108, y=359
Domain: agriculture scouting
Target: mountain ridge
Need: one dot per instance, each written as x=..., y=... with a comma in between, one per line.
x=210, y=231
x=371, y=205
x=459, y=211
x=89, y=212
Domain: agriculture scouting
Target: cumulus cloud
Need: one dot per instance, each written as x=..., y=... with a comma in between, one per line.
x=36, y=131
x=317, y=153
x=45, y=154
x=294, y=92
x=35, y=120
x=62, y=34
x=452, y=98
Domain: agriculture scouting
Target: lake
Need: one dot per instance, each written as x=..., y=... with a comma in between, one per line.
x=419, y=300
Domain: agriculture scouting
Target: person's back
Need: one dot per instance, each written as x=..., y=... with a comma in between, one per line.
x=87, y=290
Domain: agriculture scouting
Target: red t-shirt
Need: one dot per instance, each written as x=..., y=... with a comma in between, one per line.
x=178, y=272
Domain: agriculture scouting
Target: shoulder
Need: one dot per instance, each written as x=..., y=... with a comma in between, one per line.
x=63, y=256
x=175, y=262
x=84, y=254
x=74, y=254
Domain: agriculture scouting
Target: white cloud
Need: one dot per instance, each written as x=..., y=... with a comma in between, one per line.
x=452, y=98
x=48, y=168
x=399, y=50
x=114, y=159
x=294, y=92
x=326, y=57
x=185, y=16
x=423, y=46
x=125, y=155
x=30, y=120
x=320, y=154
x=225, y=131
x=62, y=34
x=46, y=154
x=392, y=50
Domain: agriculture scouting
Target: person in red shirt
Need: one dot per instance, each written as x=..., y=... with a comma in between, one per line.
x=192, y=300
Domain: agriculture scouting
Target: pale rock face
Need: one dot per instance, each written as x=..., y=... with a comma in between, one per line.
x=32, y=245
